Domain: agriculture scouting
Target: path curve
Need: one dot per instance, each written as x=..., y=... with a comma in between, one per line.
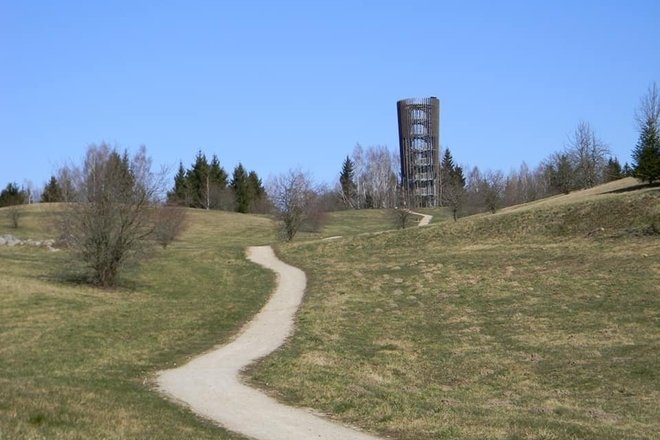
x=425, y=220
x=210, y=385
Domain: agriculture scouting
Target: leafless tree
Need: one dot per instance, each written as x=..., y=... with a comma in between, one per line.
x=358, y=169
x=14, y=215
x=493, y=189
x=292, y=195
x=375, y=171
x=454, y=198
x=588, y=156
x=169, y=222
x=401, y=217
x=111, y=220
x=648, y=111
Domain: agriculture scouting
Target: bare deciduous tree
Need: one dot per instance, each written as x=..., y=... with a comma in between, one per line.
x=14, y=215
x=376, y=176
x=112, y=218
x=454, y=197
x=168, y=225
x=588, y=156
x=493, y=189
x=292, y=195
x=401, y=217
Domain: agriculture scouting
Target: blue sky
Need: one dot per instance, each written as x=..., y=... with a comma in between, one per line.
x=282, y=84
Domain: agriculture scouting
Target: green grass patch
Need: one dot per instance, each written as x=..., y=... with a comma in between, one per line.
x=533, y=324
x=78, y=362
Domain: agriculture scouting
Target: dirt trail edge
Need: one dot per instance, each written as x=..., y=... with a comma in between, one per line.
x=209, y=384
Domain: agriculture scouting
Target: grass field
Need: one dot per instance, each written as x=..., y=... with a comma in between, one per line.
x=364, y=221
x=76, y=362
x=537, y=323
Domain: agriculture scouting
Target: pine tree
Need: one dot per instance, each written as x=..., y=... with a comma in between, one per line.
x=447, y=164
x=453, y=184
x=613, y=170
x=198, y=181
x=627, y=171
x=52, y=191
x=347, y=183
x=562, y=174
x=240, y=185
x=180, y=194
x=217, y=174
x=257, y=191
x=646, y=155
x=13, y=195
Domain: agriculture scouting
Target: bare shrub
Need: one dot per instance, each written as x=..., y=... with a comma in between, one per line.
x=111, y=220
x=14, y=215
x=401, y=217
x=292, y=196
x=170, y=221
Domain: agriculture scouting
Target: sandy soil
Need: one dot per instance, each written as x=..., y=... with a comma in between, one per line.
x=210, y=384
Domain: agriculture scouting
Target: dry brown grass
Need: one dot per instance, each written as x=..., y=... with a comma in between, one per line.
x=520, y=325
x=76, y=362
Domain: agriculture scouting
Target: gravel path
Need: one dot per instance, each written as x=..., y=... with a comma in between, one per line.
x=210, y=384
x=425, y=220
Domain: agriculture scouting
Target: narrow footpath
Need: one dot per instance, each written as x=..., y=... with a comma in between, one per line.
x=425, y=220
x=210, y=384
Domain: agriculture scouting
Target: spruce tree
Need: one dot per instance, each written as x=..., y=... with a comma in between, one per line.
x=180, y=194
x=12, y=195
x=217, y=174
x=240, y=185
x=347, y=182
x=52, y=191
x=257, y=191
x=198, y=180
x=646, y=155
x=613, y=170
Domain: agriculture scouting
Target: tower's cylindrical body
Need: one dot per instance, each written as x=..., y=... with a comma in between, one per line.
x=419, y=145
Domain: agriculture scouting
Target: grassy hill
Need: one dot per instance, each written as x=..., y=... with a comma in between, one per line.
x=76, y=362
x=538, y=322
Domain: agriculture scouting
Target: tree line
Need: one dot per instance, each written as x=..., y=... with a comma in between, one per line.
x=116, y=207
x=207, y=185
x=368, y=178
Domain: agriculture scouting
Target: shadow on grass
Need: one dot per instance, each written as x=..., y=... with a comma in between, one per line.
x=634, y=188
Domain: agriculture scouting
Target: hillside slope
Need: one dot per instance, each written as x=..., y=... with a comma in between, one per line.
x=539, y=322
x=76, y=362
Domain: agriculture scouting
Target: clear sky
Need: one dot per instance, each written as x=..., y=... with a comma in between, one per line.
x=282, y=84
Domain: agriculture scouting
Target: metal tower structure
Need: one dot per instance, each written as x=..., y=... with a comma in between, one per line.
x=419, y=144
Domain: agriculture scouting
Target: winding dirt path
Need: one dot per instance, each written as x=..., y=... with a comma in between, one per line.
x=425, y=220
x=210, y=384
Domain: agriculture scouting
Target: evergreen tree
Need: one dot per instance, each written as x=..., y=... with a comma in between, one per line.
x=198, y=182
x=12, y=195
x=180, y=194
x=347, y=183
x=218, y=175
x=561, y=173
x=52, y=191
x=240, y=185
x=453, y=184
x=257, y=191
x=447, y=164
x=646, y=155
x=613, y=170
x=627, y=171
